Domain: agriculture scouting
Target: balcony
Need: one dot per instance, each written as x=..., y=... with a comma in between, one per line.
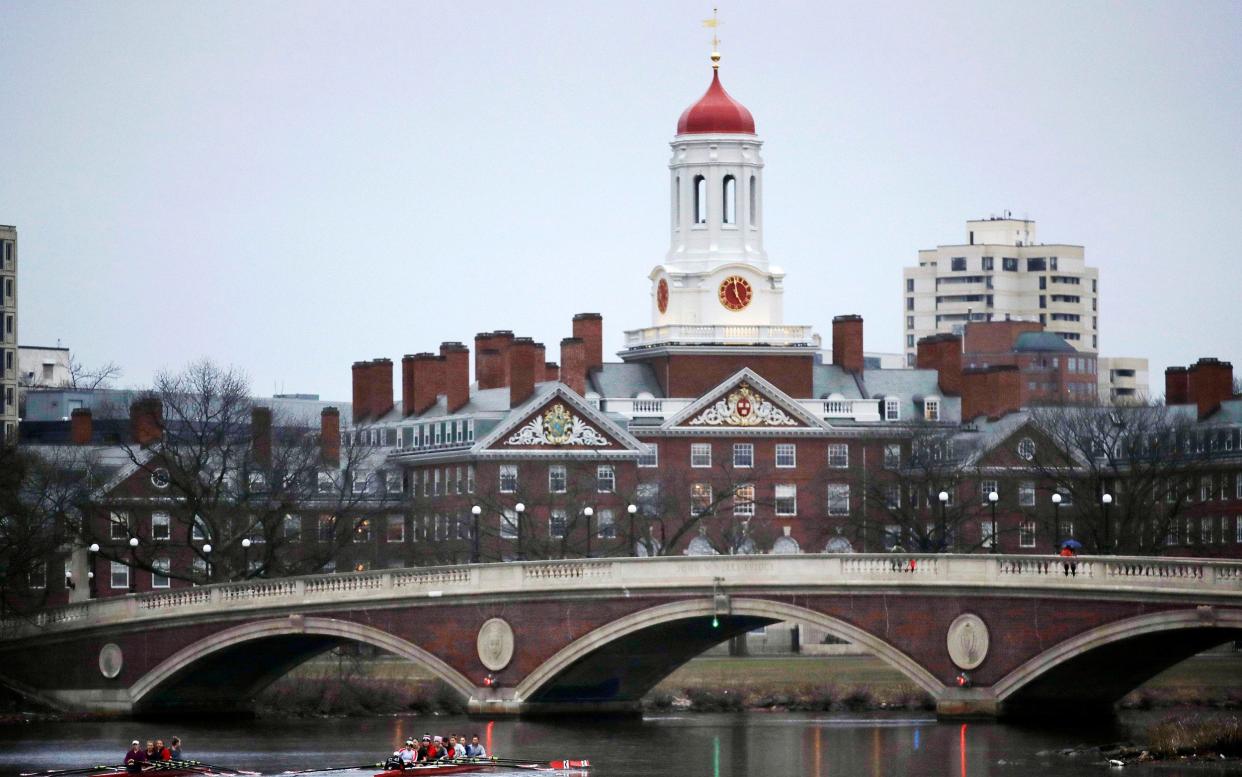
x=689, y=334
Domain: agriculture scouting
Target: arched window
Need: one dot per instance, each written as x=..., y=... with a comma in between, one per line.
x=676, y=202
x=730, y=200
x=700, y=200
x=753, y=201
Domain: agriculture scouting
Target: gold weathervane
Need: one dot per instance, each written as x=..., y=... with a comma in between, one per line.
x=714, y=23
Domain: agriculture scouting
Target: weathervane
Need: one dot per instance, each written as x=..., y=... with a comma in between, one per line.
x=714, y=23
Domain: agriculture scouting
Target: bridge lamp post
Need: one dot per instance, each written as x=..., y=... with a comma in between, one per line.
x=632, y=510
x=1107, y=499
x=90, y=567
x=207, y=560
x=476, y=511
x=588, y=512
x=1056, y=522
x=519, y=508
x=993, y=498
x=245, y=558
x=944, y=502
x=133, y=564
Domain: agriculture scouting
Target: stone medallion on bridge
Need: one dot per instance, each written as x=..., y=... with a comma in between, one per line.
x=495, y=644
x=110, y=660
x=968, y=641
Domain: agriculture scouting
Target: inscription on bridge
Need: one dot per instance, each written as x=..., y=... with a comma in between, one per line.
x=968, y=641
x=110, y=660
x=495, y=644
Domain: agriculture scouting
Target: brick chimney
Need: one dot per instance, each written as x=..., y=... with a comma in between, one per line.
x=261, y=434
x=502, y=341
x=551, y=371
x=362, y=391
x=1176, y=386
x=521, y=371
x=456, y=375
x=80, y=426
x=847, y=342
x=482, y=341
x=426, y=378
x=407, y=385
x=1211, y=382
x=942, y=353
x=489, y=374
x=381, y=387
x=146, y=421
x=573, y=364
x=590, y=327
x=991, y=391
x=330, y=436
x=541, y=358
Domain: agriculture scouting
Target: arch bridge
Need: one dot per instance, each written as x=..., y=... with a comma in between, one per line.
x=597, y=634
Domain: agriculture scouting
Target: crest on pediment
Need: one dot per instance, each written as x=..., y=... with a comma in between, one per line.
x=557, y=425
x=743, y=406
x=744, y=401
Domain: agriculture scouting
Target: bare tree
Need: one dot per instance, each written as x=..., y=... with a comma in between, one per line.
x=99, y=377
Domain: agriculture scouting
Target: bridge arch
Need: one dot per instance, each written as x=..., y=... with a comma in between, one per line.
x=1098, y=667
x=587, y=655
x=274, y=647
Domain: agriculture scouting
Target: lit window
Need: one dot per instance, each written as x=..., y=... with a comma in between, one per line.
x=743, y=455
x=362, y=531
x=327, y=527
x=395, y=530
x=839, y=455
x=557, y=479
x=744, y=500
x=786, y=499
x=700, y=455
x=508, y=478
x=605, y=479
x=161, y=526
x=700, y=498
x=838, y=499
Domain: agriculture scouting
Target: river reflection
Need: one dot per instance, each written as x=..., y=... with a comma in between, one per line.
x=671, y=745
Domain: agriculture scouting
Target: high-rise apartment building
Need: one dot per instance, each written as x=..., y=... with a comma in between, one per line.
x=1001, y=273
x=8, y=332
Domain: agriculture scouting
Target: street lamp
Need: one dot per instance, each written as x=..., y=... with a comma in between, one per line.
x=632, y=510
x=207, y=559
x=90, y=567
x=476, y=511
x=519, y=508
x=944, y=501
x=993, y=498
x=1056, y=522
x=588, y=512
x=133, y=564
x=1107, y=499
x=245, y=557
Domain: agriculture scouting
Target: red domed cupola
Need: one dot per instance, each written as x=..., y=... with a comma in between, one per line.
x=716, y=111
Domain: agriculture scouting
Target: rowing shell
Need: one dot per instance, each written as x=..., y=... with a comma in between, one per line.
x=426, y=771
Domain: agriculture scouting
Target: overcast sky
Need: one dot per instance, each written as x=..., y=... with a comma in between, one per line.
x=289, y=187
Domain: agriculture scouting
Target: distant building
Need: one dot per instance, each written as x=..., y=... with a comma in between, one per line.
x=43, y=366
x=1123, y=379
x=1001, y=273
x=8, y=332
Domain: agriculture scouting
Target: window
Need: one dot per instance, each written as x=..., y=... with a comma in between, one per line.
x=1036, y=265
x=931, y=409
x=1026, y=448
x=1026, y=493
x=700, y=454
x=786, y=499
x=118, y=575
x=957, y=264
x=909, y=322
x=892, y=495
x=324, y=483
x=291, y=527
x=892, y=405
x=469, y=478
x=118, y=526
x=729, y=190
x=159, y=478
x=435, y=483
x=1009, y=264
x=161, y=527
x=676, y=201
x=1238, y=486
x=650, y=455
x=743, y=455
x=394, y=531
x=910, y=285
x=700, y=200
x=985, y=534
x=892, y=456
x=838, y=499
x=1205, y=531
x=1026, y=534
x=1205, y=488
x=700, y=498
x=987, y=263
x=839, y=455
x=648, y=498
x=160, y=568
x=1238, y=535
x=909, y=303
x=362, y=481
x=605, y=526
x=557, y=523
x=753, y=201
x=37, y=578
x=198, y=529
x=509, y=525
x=892, y=535
x=557, y=479
x=786, y=455
x=508, y=478
x=605, y=479
x=986, y=487
x=362, y=532
x=327, y=527
x=392, y=482
x=744, y=500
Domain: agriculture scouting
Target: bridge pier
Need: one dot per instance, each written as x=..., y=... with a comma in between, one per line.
x=967, y=704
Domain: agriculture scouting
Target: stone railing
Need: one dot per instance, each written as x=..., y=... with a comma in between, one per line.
x=1087, y=576
x=734, y=334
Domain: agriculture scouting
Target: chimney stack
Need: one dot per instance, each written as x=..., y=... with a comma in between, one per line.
x=425, y=381
x=489, y=369
x=942, y=353
x=590, y=327
x=407, y=385
x=541, y=358
x=330, y=436
x=847, y=342
x=381, y=387
x=80, y=426
x=551, y=372
x=455, y=375
x=502, y=341
x=521, y=371
x=573, y=365
x=1176, y=386
x=261, y=434
x=1211, y=382
x=362, y=392
x=146, y=421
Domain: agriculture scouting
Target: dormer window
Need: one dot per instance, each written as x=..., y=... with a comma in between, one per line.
x=931, y=409
x=892, y=409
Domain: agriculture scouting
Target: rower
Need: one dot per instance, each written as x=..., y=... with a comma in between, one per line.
x=475, y=750
x=424, y=753
x=176, y=748
x=164, y=753
x=408, y=754
x=135, y=758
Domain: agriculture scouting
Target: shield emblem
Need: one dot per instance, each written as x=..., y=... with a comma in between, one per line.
x=743, y=406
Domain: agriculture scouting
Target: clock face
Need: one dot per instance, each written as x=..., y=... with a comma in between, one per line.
x=735, y=292
x=662, y=295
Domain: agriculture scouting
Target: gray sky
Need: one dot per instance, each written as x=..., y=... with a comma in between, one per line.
x=292, y=186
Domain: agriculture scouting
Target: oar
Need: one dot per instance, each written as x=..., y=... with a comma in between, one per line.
x=336, y=768
x=524, y=763
x=80, y=770
x=165, y=765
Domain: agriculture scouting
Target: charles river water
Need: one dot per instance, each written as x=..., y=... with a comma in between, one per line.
x=659, y=745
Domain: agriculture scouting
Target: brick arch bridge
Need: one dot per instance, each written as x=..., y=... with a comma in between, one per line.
x=598, y=634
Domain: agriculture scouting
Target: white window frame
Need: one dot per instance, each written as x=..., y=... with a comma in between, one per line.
x=892, y=409
x=558, y=479
x=558, y=517
x=986, y=487
x=605, y=479
x=507, y=473
x=744, y=500
x=118, y=525
x=508, y=524
x=839, y=455
x=700, y=455
x=892, y=456
x=118, y=568
x=1026, y=448
x=706, y=489
x=159, y=519
x=605, y=525
x=391, y=521
x=650, y=456
x=786, y=455
x=743, y=455
x=785, y=497
x=1026, y=534
x=837, y=506
x=1026, y=493
x=164, y=566
x=985, y=533
x=931, y=409
x=392, y=481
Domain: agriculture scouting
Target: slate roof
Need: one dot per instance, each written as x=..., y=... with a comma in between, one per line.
x=1042, y=341
x=624, y=381
x=911, y=387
